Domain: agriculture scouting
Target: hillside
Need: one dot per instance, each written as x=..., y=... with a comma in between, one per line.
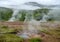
x=5, y=13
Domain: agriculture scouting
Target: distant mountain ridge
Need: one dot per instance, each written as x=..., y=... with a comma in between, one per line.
x=34, y=4
x=40, y=5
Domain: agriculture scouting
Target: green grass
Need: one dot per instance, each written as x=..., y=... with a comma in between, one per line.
x=35, y=40
x=10, y=38
x=6, y=36
x=6, y=29
x=53, y=32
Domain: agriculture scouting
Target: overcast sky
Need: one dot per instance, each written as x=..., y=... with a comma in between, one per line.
x=18, y=2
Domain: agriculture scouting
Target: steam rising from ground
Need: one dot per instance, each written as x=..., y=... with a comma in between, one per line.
x=33, y=25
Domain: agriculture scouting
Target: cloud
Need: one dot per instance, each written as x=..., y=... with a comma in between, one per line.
x=48, y=2
x=18, y=2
